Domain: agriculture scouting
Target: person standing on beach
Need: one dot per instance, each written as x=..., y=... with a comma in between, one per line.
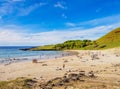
x=63, y=66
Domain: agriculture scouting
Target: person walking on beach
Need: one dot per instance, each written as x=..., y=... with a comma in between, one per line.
x=63, y=66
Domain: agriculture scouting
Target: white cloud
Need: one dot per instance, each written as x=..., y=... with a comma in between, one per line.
x=17, y=37
x=14, y=35
x=60, y=5
x=96, y=22
x=6, y=8
x=69, y=24
x=28, y=10
x=18, y=7
x=103, y=21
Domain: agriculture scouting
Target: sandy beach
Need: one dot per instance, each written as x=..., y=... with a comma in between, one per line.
x=105, y=64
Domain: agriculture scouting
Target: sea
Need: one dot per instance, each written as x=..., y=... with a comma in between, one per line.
x=14, y=54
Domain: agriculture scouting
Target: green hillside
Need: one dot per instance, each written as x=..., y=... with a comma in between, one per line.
x=43, y=48
x=110, y=40
x=73, y=45
x=67, y=45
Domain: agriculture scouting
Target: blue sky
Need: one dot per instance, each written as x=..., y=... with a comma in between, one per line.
x=41, y=22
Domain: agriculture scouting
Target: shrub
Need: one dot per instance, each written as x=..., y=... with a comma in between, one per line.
x=102, y=46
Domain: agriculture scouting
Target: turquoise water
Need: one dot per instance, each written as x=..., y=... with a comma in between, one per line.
x=13, y=52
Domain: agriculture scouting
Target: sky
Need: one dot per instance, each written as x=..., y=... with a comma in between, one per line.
x=43, y=22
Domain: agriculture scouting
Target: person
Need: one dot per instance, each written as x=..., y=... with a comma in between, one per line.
x=63, y=66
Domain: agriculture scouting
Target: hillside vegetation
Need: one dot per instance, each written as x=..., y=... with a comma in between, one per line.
x=43, y=48
x=110, y=40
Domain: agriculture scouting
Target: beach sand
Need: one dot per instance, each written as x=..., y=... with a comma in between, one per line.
x=104, y=63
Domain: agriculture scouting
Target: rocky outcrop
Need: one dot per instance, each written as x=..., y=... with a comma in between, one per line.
x=66, y=79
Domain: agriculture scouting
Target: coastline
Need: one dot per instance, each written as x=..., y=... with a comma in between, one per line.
x=11, y=60
x=106, y=66
x=16, y=67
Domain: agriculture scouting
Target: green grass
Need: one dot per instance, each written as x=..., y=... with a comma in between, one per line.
x=19, y=83
x=46, y=47
x=111, y=40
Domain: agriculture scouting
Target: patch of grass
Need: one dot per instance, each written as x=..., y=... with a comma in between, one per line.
x=19, y=83
x=46, y=47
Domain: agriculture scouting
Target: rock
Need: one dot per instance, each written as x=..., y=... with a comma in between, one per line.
x=65, y=61
x=74, y=77
x=50, y=81
x=91, y=74
x=60, y=84
x=55, y=82
x=81, y=73
x=34, y=61
x=58, y=69
x=69, y=70
x=66, y=80
x=65, y=76
x=44, y=64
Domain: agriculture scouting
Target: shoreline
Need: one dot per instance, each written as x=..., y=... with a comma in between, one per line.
x=8, y=61
x=27, y=65
x=105, y=64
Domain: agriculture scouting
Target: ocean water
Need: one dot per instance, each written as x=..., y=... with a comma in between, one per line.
x=8, y=53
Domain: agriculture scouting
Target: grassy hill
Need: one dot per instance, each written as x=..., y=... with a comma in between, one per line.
x=110, y=40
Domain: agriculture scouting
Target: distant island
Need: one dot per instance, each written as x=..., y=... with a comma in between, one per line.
x=110, y=40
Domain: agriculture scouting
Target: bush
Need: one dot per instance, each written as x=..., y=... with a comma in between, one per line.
x=102, y=46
